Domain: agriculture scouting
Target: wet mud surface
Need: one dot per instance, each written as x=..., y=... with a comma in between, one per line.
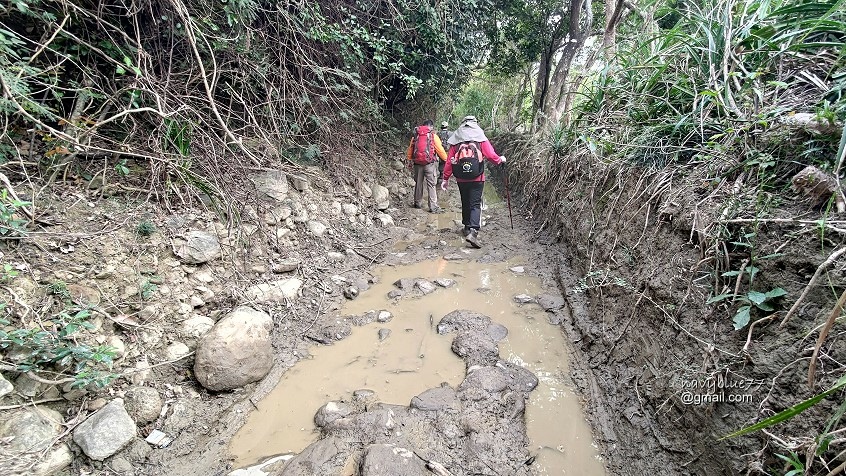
x=399, y=394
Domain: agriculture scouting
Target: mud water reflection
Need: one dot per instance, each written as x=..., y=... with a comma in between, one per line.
x=414, y=358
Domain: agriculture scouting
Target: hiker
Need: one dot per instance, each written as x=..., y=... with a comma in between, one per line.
x=468, y=149
x=423, y=152
x=444, y=134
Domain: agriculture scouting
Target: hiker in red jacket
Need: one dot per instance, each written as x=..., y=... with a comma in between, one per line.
x=423, y=152
x=468, y=149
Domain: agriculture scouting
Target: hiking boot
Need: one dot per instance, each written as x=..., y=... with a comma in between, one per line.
x=436, y=210
x=465, y=231
x=473, y=238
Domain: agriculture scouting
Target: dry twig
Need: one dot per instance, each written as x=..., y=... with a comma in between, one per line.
x=833, y=257
x=838, y=307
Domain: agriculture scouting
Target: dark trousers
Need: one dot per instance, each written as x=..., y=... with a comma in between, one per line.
x=471, y=203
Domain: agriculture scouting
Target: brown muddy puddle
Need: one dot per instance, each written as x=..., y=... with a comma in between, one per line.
x=414, y=358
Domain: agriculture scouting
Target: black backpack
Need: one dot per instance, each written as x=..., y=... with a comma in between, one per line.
x=468, y=163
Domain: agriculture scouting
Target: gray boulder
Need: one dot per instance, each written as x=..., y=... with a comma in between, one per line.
x=275, y=291
x=391, y=460
x=381, y=197
x=273, y=185
x=437, y=399
x=198, y=247
x=144, y=404
x=551, y=302
x=30, y=433
x=315, y=460
x=105, y=432
x=300, y=183
x=6, y=387
x=330, y=412
x=237, y=351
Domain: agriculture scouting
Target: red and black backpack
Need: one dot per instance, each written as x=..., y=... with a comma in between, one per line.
x=468, y=163
x=424, y=147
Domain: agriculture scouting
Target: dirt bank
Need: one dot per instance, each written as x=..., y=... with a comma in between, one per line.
x=640, y=252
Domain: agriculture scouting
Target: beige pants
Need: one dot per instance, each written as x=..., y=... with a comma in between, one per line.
x=429, y=174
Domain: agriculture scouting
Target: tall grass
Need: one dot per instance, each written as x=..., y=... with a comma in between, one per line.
x=719, y=77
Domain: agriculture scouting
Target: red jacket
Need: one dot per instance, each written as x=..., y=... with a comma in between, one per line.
x=488, y=152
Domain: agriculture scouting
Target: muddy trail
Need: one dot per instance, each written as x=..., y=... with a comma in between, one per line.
x=445, y=357
x=379, y=344
x=444, y=360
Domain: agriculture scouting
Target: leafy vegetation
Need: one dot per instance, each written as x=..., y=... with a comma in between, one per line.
x=219, y=86
x=54, y=347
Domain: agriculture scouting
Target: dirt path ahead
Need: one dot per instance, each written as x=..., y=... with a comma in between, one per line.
x=472, y=424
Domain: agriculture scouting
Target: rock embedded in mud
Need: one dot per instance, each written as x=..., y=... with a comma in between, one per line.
x=496, y=331
x=463, y=320
x=551, y=302
x=391, y=460
x=489, y=379
x=425, y=287
x=276, y=291
x=315, y=460
x=349, y=209
x=517, y=269
x=299, y=182
x=351, y=292
x=197, y=325
x=28, y=387
x=384, y=316
x=198, y=247
x=144, y=404
x=176, y=351
x=333, y=333
x=31, y=429
x=273, y=185
x=105, y=432
x=437, y=399
x=445, y=282
x=475, y=348
x=523, y=299
x=384, y=334
x=385, y=220
x=316, y=228
x=363, y=319
x=381, y=197
x=404, y=284
x=330, y=412
x=6, y=387
x=286, y=265
x=236, y=351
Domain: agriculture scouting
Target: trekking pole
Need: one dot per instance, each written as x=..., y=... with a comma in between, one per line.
x=508, y=196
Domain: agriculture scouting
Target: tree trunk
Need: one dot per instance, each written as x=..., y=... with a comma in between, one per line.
x=517, y=105
x=613, y=15
x=541, y=86
x=556, y=97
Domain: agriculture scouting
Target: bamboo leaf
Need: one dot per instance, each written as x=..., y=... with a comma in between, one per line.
x=789, y=413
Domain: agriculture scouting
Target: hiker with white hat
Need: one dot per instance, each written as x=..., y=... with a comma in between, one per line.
x=468, y=149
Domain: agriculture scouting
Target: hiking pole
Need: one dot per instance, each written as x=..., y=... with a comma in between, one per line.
x=508, y=196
